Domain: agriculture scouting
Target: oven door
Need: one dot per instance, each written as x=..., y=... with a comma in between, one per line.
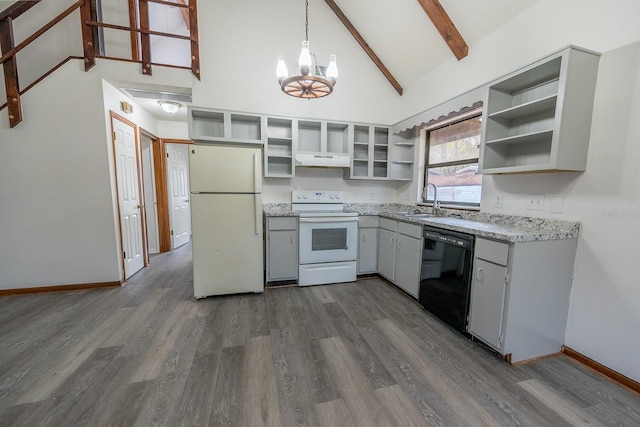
x=328, y=239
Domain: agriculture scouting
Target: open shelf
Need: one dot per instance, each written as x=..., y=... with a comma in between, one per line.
x=337, y=138
x=539, y=118
x=207, y=124
x=309, y=136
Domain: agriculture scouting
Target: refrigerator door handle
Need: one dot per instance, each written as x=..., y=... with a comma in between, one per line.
x=256, y=198
x=256, y=177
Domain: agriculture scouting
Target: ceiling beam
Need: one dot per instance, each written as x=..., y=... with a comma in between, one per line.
x=445, y=27
x=363, y=44
x=17, y=9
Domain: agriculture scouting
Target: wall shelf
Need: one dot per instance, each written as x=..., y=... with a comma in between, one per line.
x=539, y=118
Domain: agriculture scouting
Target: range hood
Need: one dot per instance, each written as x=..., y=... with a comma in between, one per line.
x=323, y=160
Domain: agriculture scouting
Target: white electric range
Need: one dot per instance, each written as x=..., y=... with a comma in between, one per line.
x=328, y=244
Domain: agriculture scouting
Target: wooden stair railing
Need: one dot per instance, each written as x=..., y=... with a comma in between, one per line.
x=90, y=43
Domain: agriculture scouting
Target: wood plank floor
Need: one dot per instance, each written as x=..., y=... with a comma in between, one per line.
x=355, y=354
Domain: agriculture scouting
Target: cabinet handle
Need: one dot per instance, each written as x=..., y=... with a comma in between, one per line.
x=399, y=241
x=364, y=238
x=291, y=237
x=392, y=241
x=479, y=274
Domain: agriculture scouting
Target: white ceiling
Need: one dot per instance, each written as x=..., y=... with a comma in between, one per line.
x=402, y=35
x=405, y=40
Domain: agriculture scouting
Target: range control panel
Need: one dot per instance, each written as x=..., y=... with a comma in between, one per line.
x=314, y=196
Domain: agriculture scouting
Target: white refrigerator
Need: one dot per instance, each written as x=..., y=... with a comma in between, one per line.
x=226, y=217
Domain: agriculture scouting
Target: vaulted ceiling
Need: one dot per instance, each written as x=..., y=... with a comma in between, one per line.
x=408, y=43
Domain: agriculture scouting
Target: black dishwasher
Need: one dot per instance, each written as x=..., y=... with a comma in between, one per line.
x=445, y=275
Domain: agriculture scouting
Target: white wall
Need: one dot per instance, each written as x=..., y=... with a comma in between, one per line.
x=56, y=214
x=239, y=44
x=59, y=213
x=544, y=27
x=279, y=190
x=173, y=130
x=605, y=302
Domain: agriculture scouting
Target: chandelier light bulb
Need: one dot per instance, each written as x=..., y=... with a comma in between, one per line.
x=332, y=69
x=304, y=60
x=281, y=69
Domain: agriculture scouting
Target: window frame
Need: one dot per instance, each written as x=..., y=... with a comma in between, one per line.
x=433, y=126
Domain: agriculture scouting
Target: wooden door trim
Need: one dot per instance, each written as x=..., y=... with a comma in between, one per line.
x=162, y=190
x=145, y=243
x=136, y=135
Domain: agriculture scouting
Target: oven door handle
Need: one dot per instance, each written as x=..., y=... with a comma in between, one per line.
x=327, y=219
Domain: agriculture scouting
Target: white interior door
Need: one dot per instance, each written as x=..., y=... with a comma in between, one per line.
x=178, y=187
x=127, y=181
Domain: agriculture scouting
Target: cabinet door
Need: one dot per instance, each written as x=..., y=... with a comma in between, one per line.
x=487, y=302
x=386, y=253
x=367, y=250
x=283, y=255
x=408, y=259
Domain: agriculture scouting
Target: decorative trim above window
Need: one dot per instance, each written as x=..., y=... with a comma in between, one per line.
x=468, y=100
x=455, y=116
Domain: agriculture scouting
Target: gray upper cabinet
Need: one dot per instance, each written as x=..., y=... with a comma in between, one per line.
x=370, y=152
x=280, y=147
x=209, y=125
x=539, y=118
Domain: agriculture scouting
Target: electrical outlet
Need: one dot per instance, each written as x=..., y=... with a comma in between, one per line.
x=535, y=202
x=498, y=201
x=372, y=195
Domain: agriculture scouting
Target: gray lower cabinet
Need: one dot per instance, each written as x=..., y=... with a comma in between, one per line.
x=520, y=296
x=408, y=258
x=282, y=248
x=400, y=254
x=368, y=244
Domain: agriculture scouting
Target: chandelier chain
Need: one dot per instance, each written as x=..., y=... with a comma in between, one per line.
x=306, y=20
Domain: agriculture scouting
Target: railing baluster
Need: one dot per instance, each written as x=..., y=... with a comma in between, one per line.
x=89, y=36
x=10, y=68
x=193, y=25
x=145, y=39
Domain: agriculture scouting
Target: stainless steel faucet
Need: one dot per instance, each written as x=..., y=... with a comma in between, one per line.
x=436, y=203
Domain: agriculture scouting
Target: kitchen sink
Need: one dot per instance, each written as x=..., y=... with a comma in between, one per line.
x=420, y=215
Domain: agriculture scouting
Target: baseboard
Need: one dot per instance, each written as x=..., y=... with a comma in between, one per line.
x=602, y=369
x=5, y=292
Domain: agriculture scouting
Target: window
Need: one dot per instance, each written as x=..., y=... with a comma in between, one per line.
x=452, y=162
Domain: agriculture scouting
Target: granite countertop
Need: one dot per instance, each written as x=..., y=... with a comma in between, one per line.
x=508, y=228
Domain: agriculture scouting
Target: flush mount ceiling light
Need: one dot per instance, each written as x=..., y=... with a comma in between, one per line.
x=170, y=107
x=314, y=81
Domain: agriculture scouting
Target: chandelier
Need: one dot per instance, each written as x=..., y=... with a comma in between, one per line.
x=314, y=81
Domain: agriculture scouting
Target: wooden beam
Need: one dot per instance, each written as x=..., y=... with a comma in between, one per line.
x=10, y=68
x=195, y=42
x=17, y=9
x=89, y=33
x=445, y=27
x=145, y=39
x=361, y=41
